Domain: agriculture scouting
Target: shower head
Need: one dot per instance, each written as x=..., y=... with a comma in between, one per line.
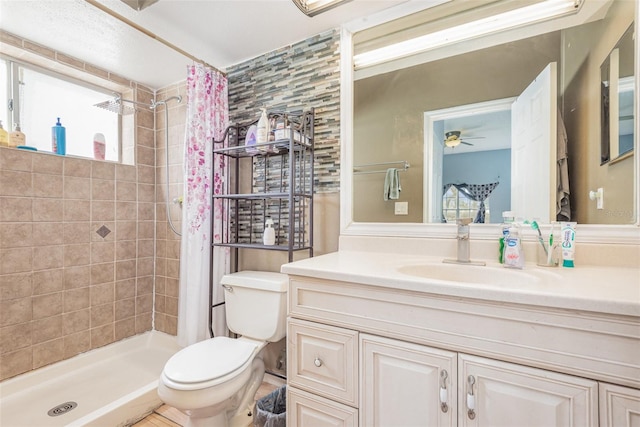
x=116, y=106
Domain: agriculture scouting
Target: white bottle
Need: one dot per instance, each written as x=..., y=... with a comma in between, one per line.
x=513, y=253
x=269, y=237
x=262, y=133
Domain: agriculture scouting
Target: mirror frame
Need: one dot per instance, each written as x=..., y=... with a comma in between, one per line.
x=589, y=233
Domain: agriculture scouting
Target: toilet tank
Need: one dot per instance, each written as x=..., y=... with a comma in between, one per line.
x=256, y=304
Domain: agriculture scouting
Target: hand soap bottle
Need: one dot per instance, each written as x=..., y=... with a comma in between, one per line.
x=507, y=221
x=262, y=133
x=269, y=237
x=16, y=138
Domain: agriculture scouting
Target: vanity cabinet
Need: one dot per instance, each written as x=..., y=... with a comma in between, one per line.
x=619, y=406
x=431, y=360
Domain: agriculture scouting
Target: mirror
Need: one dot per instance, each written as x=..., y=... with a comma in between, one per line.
x=390, y=102
x=616, y=99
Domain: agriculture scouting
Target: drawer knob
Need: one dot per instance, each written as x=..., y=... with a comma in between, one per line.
x=317, y=362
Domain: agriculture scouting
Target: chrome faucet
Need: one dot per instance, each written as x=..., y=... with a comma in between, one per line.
x=463, y=244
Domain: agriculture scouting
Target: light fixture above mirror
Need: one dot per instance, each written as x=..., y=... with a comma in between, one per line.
x=511, y=19
x=314, y=7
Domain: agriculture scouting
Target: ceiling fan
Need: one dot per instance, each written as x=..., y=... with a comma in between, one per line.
x=453, y=139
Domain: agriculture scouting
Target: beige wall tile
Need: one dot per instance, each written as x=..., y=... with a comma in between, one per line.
x=15, y=363
x=76, y=255
x=15, y=311
x=76, y=321
x=101, y=315
x=146, y=138
x=146, y=229
x=102, y=335
x=145, y=267
x=125, y=289
x=102, y=273
x=77, y=188
x=15, y=183
x=47, y=329
x=103, y=170
x=48, y=352
x=103, y=211
x=125, y=308
x=146, y=212
x=15, y=337
x=48, y=210
x=47, y=163
x=125, y=250
x=173, y=268
x=160, y=285
x=77, y=210
x=172, y=287
x=143, y=323
x=102, y=252
x=48, y=257
x=146, y=155
x=95, y=226
x=76, y=299
x=48, y=233
x=171, y=306
x=47, y=185
x=126, y=211
x=77, y=343
x=125, y=328
x=77, y=277
x=39, y=49
x=77, y=167
x=146, y=174
x=15, y=209
x=14, y=235
x=125, y=269
x=126, y=173
x=144, y=303
x=103, y=189
x=126, y=191
x=77, y=232
x=126, y=230
x=146, y=193
x=144, y=285
x=14, y=286
x=47, y=305
x=16, y=260
x=48, y=281
x=16, y=160
x=102, y=294
x=145, y=248
x=159, y=304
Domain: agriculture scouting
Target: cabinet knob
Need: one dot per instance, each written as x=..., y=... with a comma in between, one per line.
x=317, y=362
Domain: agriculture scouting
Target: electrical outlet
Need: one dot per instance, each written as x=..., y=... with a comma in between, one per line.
x=401, y=208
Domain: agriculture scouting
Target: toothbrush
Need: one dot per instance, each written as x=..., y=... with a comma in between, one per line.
x=536, y=227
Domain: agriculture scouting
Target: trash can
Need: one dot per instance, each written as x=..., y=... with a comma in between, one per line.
x=271, y=410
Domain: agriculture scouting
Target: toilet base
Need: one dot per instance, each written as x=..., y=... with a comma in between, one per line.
x=244, y=419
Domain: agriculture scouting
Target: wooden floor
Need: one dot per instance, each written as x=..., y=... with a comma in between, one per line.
x=166, y=416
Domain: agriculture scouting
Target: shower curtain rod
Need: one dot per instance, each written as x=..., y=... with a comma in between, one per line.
x=148, y=33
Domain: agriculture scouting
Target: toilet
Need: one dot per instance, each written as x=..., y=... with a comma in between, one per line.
x=214, y=381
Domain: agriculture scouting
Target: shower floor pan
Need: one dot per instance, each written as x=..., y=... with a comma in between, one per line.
x=114, y=385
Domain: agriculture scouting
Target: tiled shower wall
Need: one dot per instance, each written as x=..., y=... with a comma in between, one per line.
x=76, y=251
x=167, y=241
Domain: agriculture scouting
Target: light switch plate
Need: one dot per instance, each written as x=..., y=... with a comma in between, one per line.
x=402, y=208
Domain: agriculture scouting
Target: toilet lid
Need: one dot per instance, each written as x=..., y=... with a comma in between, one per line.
x=208, y=360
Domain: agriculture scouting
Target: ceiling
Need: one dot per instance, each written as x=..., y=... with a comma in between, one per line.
x=485, y=131
x=221, y=33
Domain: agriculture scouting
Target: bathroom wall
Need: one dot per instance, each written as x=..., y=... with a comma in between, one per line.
x=76, y=251
x=167, y=241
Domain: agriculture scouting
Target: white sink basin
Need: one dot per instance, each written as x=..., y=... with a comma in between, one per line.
x=503, y=277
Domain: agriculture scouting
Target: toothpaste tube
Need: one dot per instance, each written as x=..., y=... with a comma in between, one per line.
x=567, y=243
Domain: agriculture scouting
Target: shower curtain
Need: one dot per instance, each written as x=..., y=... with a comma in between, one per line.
x=207, y=118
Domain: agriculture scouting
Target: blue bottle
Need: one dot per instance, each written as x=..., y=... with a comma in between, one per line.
x=59, y=139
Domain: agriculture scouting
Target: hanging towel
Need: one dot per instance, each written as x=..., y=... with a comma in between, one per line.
x=563, y=205
x=392, y=185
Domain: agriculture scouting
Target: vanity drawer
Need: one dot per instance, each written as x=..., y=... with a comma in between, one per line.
x=324, y=360
x=308, y=410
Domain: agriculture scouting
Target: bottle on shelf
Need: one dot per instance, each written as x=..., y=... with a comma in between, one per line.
x=16, y=138
x=59, y=139
x=4, y=136
x=269, y=237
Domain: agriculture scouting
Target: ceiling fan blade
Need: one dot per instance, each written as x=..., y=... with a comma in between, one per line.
x=474, y=137
x=466, y=143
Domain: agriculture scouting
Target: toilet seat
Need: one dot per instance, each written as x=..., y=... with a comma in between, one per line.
x=208, y=363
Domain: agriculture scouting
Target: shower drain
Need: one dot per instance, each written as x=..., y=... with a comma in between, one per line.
x=62, y=409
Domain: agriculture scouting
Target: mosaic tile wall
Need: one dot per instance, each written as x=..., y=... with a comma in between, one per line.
x=296, y=77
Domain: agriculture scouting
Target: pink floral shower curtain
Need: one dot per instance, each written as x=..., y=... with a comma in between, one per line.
x=207, y=118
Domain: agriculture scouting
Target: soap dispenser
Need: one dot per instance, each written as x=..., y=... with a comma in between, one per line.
x=59, y=139
x=16, y=138
x=269, y=237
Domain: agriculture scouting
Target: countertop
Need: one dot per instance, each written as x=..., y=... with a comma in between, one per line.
x=604, y=290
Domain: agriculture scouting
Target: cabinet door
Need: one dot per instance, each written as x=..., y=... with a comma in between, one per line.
x=323, y=360
x=308, y=410
x=404, y=384
x=619, y=406
x=493, y=393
